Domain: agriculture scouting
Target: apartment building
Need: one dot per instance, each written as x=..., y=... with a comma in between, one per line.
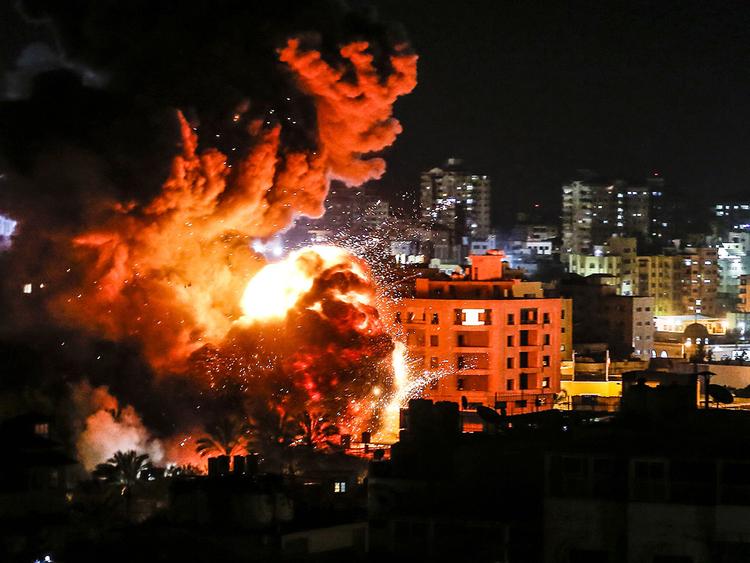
x=486, y=340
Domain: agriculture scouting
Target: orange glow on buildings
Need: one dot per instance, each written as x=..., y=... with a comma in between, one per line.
x=496, y=342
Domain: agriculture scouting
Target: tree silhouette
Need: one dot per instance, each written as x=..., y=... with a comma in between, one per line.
x=123, y=468
x=229, y=437
x=316, y=431
x=126, y=470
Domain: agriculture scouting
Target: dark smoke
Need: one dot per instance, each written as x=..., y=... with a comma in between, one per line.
x=73, y=150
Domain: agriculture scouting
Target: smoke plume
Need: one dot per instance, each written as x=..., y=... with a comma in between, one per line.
x=142, y=181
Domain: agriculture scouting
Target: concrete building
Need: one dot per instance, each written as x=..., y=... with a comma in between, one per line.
x=700, y=280
x=489, y=341
x=624, y=323
x=348, y=211
x=617, y=258
x=734, y=262
x=733, y=215
x=456, y=199
x=595, y=209
x=660, y=277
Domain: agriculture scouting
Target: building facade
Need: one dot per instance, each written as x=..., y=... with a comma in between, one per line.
x=486, y=340
x=595, y=209
x=700, y=281
x=456, y=199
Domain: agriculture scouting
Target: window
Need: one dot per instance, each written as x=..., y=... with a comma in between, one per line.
x=339, y=487
x=435, y=319
x=545, y=361
x=509, y=340
x=41, y=429
x=511, y=319
x=562, y=347
x=547, y=339
x=434, y=339
x=528, y=316
x=460, y=384
x=398, y=318
x=509, y=363
x=545, y=382
x=545, y=318
x=524, y=381
x=524, y=359
x=509, y=385
x=562, y=314
x=524, y=338
x=433, y=362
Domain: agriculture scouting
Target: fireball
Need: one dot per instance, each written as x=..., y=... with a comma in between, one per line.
x=278, y=287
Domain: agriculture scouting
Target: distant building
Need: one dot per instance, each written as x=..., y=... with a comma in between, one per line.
x=489, y=341
x=457, y=199
x=679, y=282
x=624, y=323
x=700, y=280
x=595, y=209
x=347, y=211
x=734, y=262
x=661, y=278
x=733, y=215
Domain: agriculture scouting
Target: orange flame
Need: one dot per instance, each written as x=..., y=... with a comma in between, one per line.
x=172, y=273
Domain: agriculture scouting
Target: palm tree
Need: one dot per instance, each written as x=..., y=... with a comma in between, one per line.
x=316, y=431
x=228, y=437
x=126, y=470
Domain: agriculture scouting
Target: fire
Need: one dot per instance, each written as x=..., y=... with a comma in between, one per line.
x=172, y=273
x=177, y=274
x=278, y=287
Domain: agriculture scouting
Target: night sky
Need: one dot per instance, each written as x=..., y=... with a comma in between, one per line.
x=530, y=91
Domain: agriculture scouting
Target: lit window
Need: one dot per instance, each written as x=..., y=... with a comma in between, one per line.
x=339, y=487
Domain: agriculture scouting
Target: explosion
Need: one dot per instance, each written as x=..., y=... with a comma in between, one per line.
x=278, y=287
x=176, y=273
x=182, y=260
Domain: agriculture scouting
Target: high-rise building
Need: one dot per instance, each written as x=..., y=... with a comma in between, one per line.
x=454, y=198
x=700, y=281
x=660, y=277
x=595, y=209
x=489, y=341
x=734, y=262
x=347, y=211
x=733, y=214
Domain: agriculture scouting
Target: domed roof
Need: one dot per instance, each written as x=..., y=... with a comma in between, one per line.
x=694, y=331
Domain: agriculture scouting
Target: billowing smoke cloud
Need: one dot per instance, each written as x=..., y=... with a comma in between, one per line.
x=207, y=128
x=109, y=428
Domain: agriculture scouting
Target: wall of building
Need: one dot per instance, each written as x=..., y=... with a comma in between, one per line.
x=485, y=349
